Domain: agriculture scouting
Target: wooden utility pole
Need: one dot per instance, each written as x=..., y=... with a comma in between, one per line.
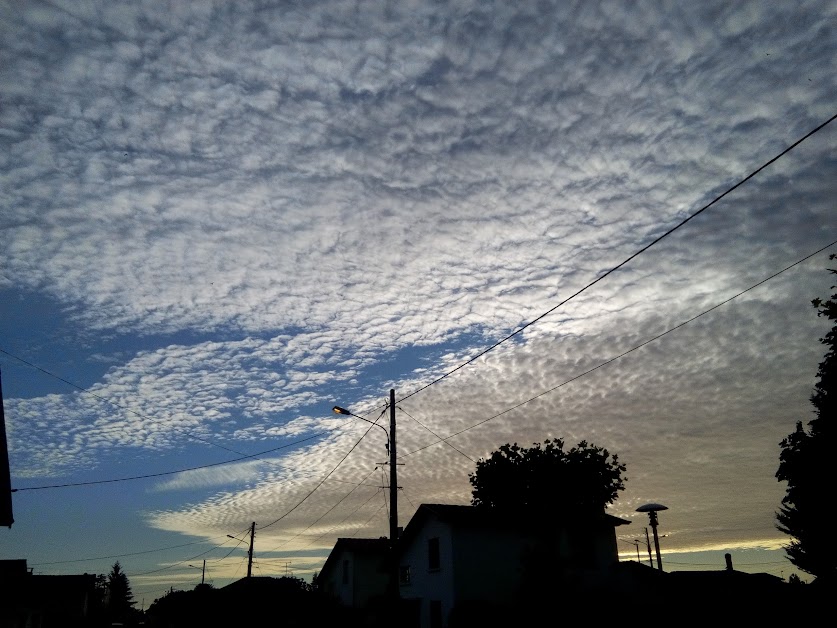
x=250, y=552
x=393, y=474
x=203, y=571
x=6, y=516
x=393, y=497
x=648, y=544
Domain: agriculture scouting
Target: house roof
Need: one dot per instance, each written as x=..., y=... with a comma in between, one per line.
x=722, y=579
x=369, y=547
x=466, y=516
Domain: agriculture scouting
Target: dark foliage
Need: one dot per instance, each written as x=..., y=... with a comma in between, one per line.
x=805, y=464
x=547, y=480
x=257, y=601
x=120, y=599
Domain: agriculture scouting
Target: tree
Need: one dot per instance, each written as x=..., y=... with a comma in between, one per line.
x=120, y=599
x=547, y=480
x=805, y=463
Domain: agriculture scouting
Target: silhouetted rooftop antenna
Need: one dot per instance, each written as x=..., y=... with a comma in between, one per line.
x=652, y=510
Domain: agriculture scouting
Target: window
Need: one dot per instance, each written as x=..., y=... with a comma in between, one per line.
x=345, y=572
x=433, y=561
x=435, y=613
x=404, y=574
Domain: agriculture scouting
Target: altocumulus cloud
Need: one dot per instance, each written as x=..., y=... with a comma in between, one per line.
x=321, y=187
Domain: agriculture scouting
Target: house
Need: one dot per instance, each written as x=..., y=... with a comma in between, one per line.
x=463, y=557
x=355, y=572
x=45, y=601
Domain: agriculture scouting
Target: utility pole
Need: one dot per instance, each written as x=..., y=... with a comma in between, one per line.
x=250, y=552
x=393, y=486
x=393, y=475
x=6, y=517
x=203, y=571
x=648, y=544
x=393, y=497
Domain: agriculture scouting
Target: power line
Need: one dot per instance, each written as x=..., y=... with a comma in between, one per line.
x=320, y=518
x=371, y=497
x=621, y=355
x=311, y=492
x=172, y=566
x=625, y=262
x=153, y=420
x=159, y=549
x=519, y=330
x=374, y=514
x=113, y=403
x=455, y=448
x=585, y=288
x=134, y=412
x=205, y=466
x=162, y=473
x=383, y=486
x=775, y=562
x=412, y=505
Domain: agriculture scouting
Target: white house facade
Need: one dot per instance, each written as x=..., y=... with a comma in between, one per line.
x=452, y=556
x=355, y=571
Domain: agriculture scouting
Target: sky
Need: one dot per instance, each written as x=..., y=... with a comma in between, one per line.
x=220, y=219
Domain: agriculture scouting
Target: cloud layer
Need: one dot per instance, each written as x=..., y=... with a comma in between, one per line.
x=322, y=191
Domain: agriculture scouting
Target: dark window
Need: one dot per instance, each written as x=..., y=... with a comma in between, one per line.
x=404, y=574
x=345, y=572
x=433, y=561
x=435, y=613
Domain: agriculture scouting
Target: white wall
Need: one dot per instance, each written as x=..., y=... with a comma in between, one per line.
x=425, y=584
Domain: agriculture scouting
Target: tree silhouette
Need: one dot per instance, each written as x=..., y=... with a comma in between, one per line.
x=805, y=463
x=120, y=599
x=547, y=480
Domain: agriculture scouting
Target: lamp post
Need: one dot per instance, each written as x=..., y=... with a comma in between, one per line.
x=393, y=485
x=203, y=570
x=250, y=551
x=652, y=510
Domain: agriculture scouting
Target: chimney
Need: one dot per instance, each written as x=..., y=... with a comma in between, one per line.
x=728, y=558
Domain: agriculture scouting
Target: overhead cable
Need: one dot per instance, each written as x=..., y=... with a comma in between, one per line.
x=311, y=492
x=162, y=473
x=621, y=355
x=623, y=263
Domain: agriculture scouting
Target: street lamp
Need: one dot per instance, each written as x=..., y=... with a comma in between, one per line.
x=393, y=486
x=652, y=510
x=339, y=410
x=203, y=570
x=250, y=551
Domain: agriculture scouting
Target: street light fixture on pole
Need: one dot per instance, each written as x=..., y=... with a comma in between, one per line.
x=393, y=485
x=652, y=510
x=250, y=551
x=203, y=570
x=339, y=410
